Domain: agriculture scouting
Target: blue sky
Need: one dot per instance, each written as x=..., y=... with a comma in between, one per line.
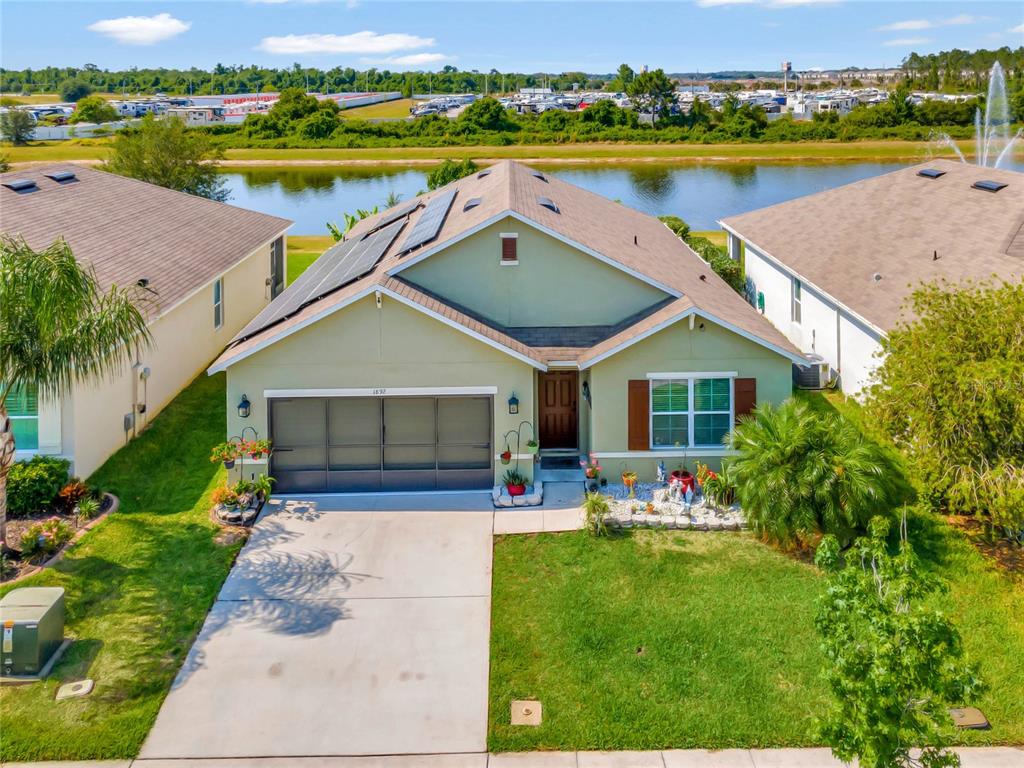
x=528, y=36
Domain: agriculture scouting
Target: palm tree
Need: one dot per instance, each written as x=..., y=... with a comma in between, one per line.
x=800, y=474
x=57, y=329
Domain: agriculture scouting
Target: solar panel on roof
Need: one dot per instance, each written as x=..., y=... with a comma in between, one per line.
x=547, y=202
x=473, y=202
x=430, y=221
x=405, y=210
x=988, y=186
x=931, y=173
x=21, y=185
x=338, y=266
x=62, y=176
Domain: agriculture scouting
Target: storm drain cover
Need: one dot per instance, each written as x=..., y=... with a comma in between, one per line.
x=526, y=713
x=969, y=717
x=73, y=690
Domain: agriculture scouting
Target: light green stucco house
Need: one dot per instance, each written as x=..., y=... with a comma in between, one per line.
x=408, y=356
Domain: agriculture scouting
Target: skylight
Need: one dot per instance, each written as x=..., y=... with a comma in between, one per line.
x=484, y=172
x=21, y=185
x=62, y=176
x=473, y=202
x=931, y=173
x=988, y=186
x=547, y=202
x=540, y=176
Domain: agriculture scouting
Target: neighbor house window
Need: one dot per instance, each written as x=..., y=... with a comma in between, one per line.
x=688, y=412
x=509, y=250
x=23, y=409
x=218, y=302
x=797, y=299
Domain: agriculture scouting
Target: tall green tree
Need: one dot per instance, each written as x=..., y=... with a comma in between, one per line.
x=57, y=329
x=948, y=393
x=74, y=89
x=895, y=664
x=93, y=109
x=450, y=171
x=17, y=126
x=166, y=153
x=623, y=77
x=652, y=92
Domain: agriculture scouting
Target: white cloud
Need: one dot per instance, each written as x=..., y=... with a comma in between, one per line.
x=1019, y=29
x=797, y=3
x=958, y=21
x=410, y=60
x=357, y=42
x=716, y=3
x=905, y=25
x=141, y=30
x=905, y=41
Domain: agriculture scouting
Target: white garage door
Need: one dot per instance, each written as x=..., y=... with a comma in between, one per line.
x=331, y=444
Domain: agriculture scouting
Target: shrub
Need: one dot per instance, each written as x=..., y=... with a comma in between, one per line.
x=728, y=269
x=72, y=493
x=88, y=508
x=800, y=474
x=677, y=225
x=224, y=495
x=32, y=486
x=450, y=171
x=46, y=537
x=595, y=507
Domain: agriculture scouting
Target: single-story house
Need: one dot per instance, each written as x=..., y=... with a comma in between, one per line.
x=834, y=270
x=207, y=267
x=456, y=326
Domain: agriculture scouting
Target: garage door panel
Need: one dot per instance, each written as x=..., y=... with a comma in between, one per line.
x=463, y=479
x=464, y=457
x=358, y=457
x=354, y=482
x=354, y=421
x=409, y=420
x=409, y=480
x=297, y=481
x=409, y=457
x=299, y=422
x=462, y=420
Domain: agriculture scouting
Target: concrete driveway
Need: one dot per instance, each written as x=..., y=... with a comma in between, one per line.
x=348, y=626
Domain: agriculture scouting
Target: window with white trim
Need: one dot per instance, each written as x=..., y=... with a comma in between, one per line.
x=797, y=301
x=509, y=248
x=690, y=412
x=218, y=302
x=23, y=410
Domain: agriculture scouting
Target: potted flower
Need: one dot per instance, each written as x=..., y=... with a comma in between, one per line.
x=257, y=448
x=226, y=453
x=506, y=456
x=532, y=446
x=591, y=470
x=515, y=482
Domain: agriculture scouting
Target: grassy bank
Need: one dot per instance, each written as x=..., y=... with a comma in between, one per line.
x=384, y=110
x=303, y=250
x=138, y=588
x=94, y=150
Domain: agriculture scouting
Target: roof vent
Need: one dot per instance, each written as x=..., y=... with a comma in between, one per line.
x=62, y=176
x=21, y=185
x=548, y=203
x=988, y=186
x=484, y=172
x=540, y=176
x=473, y=202
x=877, y=276
x=931, y=173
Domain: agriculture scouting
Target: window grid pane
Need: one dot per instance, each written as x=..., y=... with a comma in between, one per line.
x=23, y=401
x=670, y=396
x=670, y=430
x=710, y=428
x=710, y=395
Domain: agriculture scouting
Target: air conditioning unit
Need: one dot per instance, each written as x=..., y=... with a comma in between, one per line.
x=816, y=374
x=32, y=623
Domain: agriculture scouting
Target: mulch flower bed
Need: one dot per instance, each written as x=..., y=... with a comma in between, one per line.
x=1004, y=553
x=18, y=566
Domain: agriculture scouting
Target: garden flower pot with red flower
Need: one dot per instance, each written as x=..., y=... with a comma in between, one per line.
x=515, y=483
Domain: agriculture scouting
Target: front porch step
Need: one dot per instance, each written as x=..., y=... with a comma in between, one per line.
x=559, y=475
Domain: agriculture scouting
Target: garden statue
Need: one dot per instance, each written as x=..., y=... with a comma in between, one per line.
x=661, y=472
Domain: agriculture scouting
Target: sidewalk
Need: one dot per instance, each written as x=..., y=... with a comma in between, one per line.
x=970, y=757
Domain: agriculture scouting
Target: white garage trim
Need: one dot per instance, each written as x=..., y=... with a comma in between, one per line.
x=379, y=391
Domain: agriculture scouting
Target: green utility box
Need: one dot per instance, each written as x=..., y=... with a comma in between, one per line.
x=32, y=626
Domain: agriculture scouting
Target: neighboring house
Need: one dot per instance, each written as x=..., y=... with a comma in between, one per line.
x=207, y=267
x=834, y=270
x=407, y=355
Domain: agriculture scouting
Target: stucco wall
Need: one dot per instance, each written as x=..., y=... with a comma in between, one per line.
x=859, y=346
x=676, y=349
x=362, y=346
x=184, y=343
x=536, y=291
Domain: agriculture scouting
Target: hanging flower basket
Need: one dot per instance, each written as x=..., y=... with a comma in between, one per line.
x=506, y=456
x=229, y=463
x=533, y=446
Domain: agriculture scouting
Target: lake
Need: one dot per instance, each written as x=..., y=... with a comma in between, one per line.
x=701, y=194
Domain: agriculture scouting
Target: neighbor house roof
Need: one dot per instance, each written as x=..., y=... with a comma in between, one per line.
x=127, y=230
x=903, y=227
x=624, y=238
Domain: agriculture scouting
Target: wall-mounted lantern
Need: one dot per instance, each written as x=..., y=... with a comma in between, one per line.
x=244, y=407
x=513, y=404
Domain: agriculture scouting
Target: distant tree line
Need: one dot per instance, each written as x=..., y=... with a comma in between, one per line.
x=957, y=70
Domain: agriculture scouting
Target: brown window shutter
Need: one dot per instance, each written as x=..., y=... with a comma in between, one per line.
x=508, y=249
x=745, y=392
x=639, y=434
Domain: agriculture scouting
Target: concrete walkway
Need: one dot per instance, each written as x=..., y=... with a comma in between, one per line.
x=348, y=626
x=970, y=757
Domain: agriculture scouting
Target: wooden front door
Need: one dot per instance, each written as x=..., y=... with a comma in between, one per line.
x=558, y=413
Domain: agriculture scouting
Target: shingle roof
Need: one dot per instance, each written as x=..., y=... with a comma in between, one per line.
x=894, y=225
x=632, y=241
x=128, y=230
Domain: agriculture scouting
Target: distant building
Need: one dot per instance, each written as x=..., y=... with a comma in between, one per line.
x=197, y=115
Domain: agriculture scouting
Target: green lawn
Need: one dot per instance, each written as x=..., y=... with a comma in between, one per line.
x=303, y=250
x=138, y=588
x=655, y=639
x=716, y=236
x=824, y=151
x=387, y=109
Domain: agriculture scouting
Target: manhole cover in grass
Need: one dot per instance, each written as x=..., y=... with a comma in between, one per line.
x=526, y=713
x=73, y=690
x=969, y=717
